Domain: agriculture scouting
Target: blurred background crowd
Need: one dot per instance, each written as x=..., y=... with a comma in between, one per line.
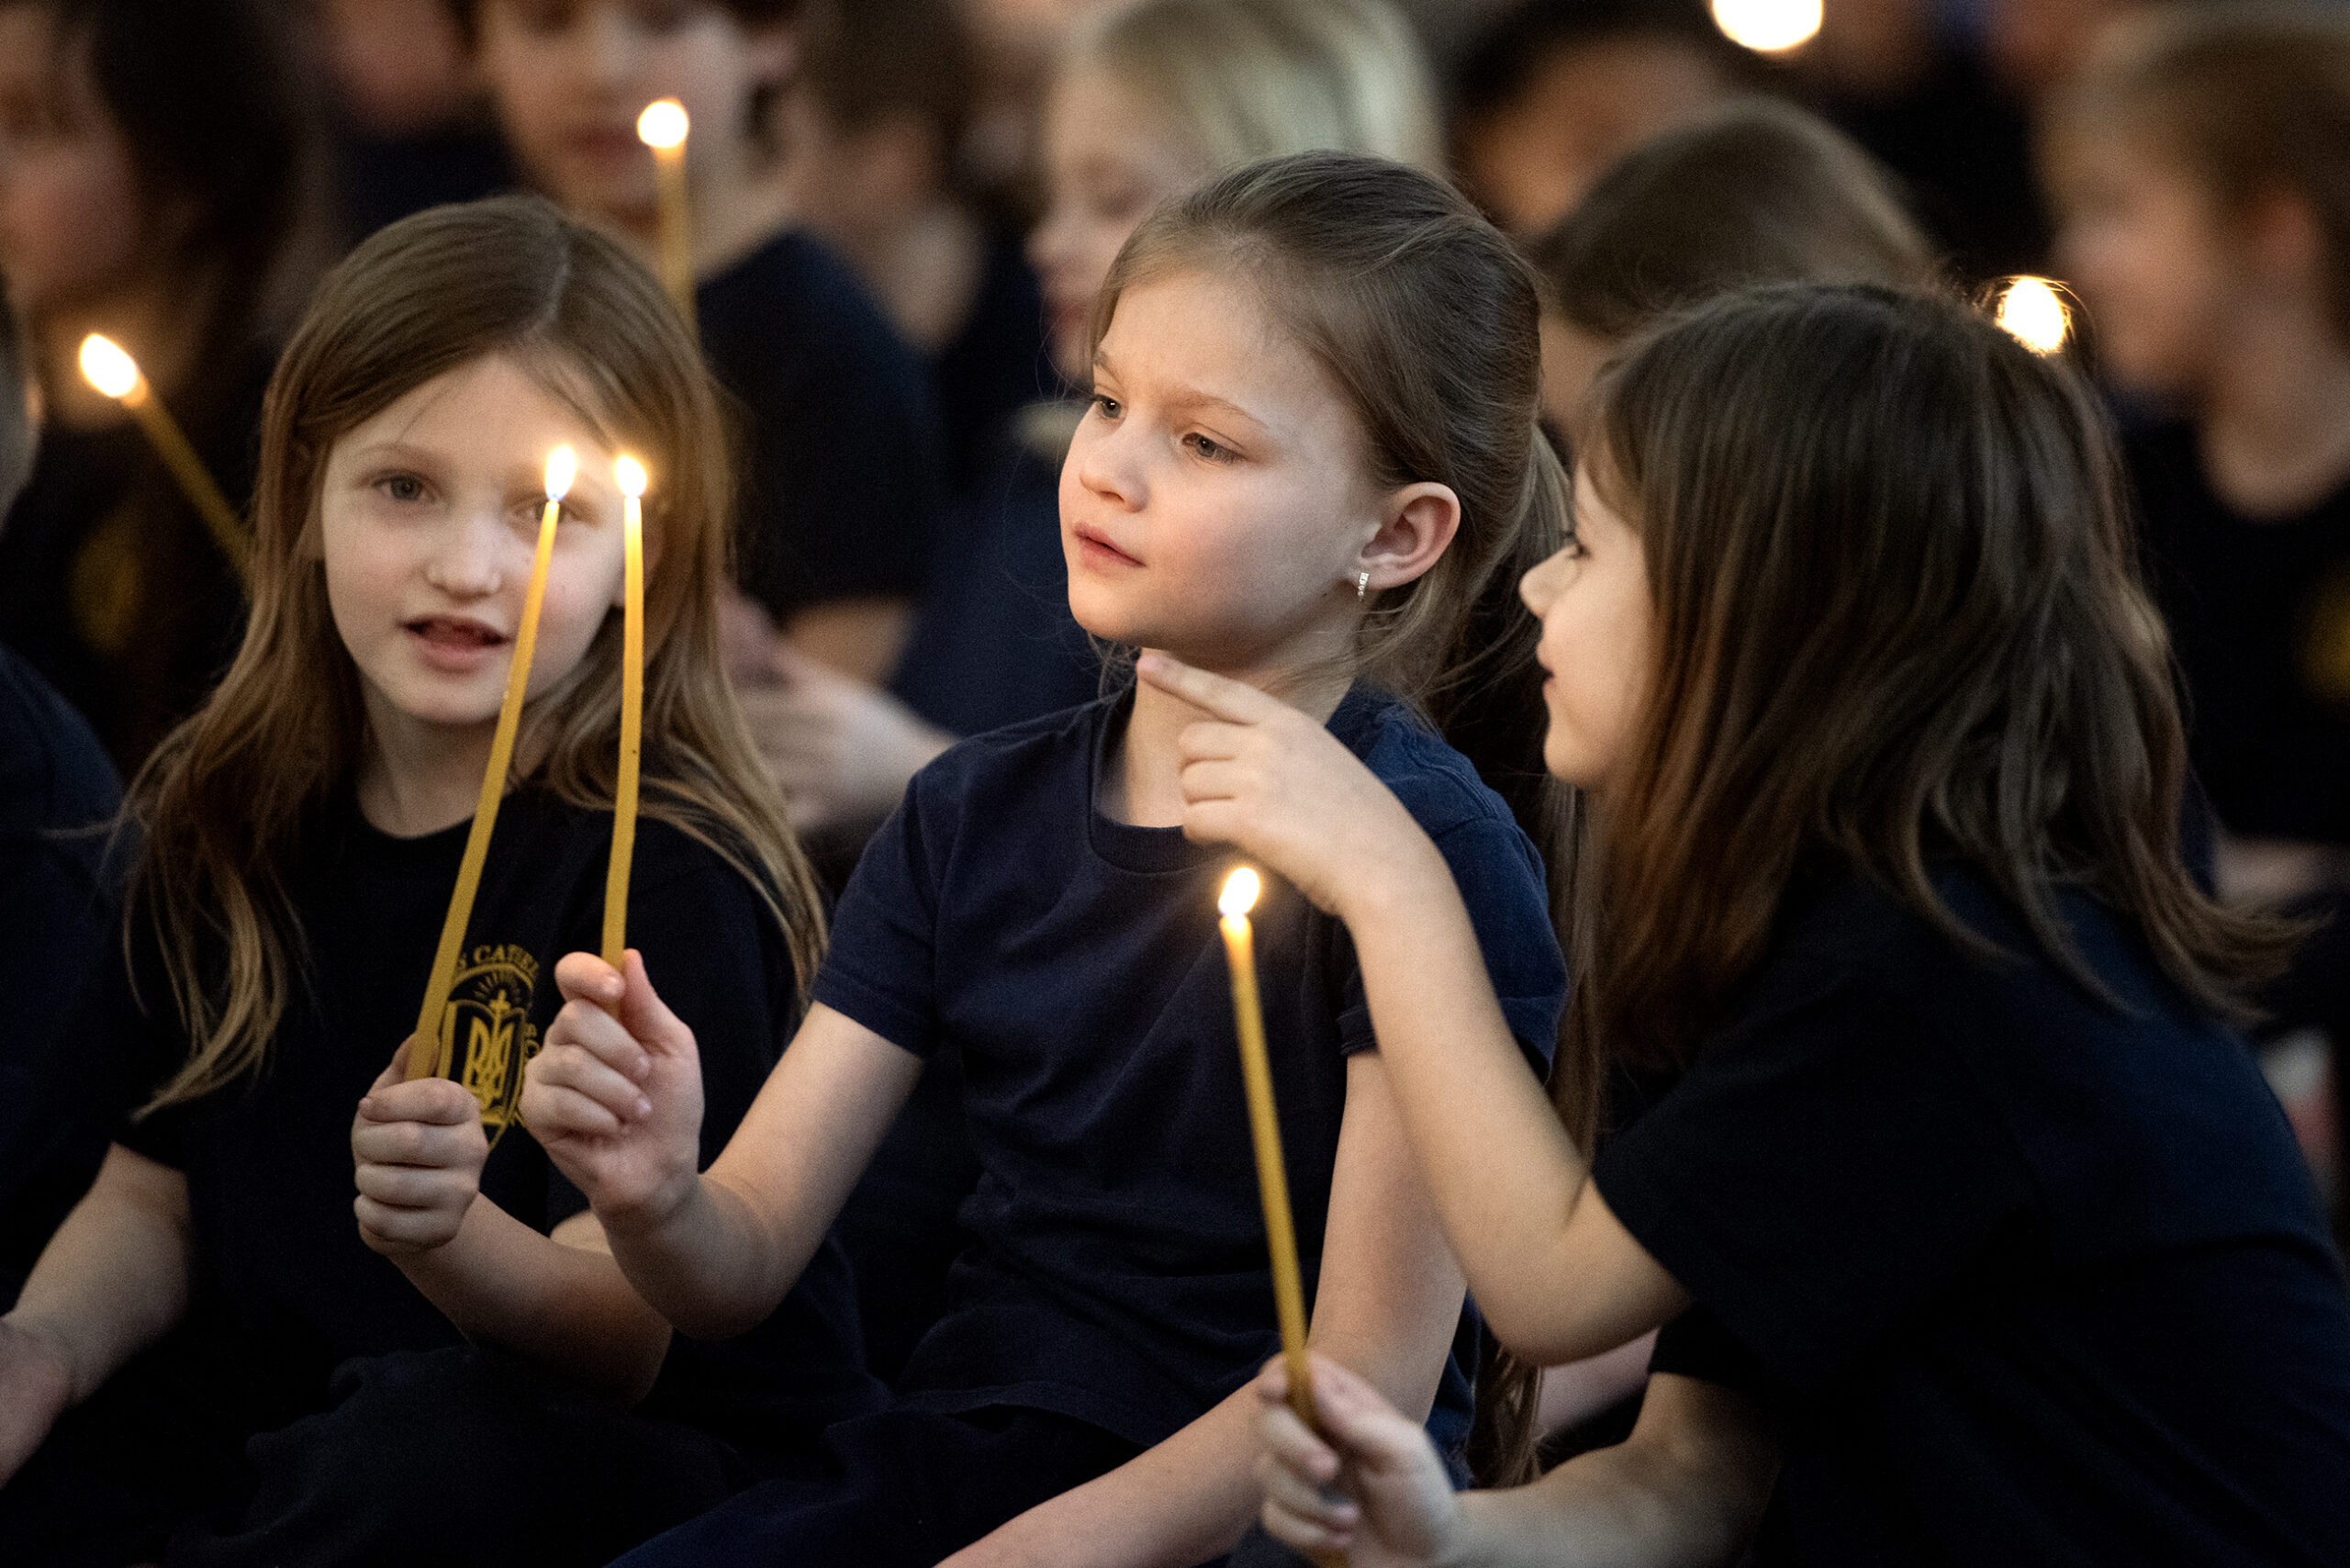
x=903, y=209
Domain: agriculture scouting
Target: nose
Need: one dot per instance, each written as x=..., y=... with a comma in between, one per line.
x=468, y=560
x=1540, y=585
x=1108, y=465
x=611, y=54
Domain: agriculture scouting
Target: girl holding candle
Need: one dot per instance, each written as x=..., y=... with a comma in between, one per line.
x=1970, y=1219
x=154, y=187
x=302, y=832
x=1276, y=478
x=842, y=463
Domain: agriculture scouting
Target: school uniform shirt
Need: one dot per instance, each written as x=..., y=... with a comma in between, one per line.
x=995, y=364
x=840, y=462
x=2259, y=616
x=58, y=795
x=283, y=1282
x=1118, y=1272
x=994, y=642
x=2020, y=1277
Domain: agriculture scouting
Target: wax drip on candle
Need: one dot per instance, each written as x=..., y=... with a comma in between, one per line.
x=629, y=474
x=115, y=375
x=428, y=1046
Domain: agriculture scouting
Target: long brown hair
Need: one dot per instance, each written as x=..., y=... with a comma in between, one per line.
x=1900, y=626
x=1425, y=319
x=226, y=798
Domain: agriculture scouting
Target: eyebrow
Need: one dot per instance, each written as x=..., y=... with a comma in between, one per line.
x=1189, y=399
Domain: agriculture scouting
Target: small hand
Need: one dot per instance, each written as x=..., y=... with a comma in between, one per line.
x=839, y=750
x=36, y=1385
x=1261, y=776
x=614, y=1096
x=418, y=1149
x=1374, y=1489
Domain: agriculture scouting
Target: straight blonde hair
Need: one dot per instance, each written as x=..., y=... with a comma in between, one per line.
x=226, y=800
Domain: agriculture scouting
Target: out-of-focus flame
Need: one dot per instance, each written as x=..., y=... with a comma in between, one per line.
x=1240, y=895
x=662, y=124
x=2032, y=309
x=1768, y=26
x=563, y=466
x=630, y=475
x=108, y=369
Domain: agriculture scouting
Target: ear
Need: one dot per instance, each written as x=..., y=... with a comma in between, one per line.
x=1416, y=524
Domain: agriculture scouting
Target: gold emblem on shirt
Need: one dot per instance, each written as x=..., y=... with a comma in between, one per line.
x=487, y=1035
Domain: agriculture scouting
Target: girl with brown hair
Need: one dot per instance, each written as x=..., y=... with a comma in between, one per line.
x=1970, y=1219
x=301, y=837
x=1310, y=462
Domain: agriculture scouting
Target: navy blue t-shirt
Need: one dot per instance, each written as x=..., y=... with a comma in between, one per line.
x=284, y=1288
x=1118, y=1271
x=2022, y=1277
x=841, y=467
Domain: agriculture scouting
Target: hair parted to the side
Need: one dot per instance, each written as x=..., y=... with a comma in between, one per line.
x=1250, y=79
x=2251, y=96
x=224, y=802
x=1758, y=191
x=1425, y=318
x=1900, y=626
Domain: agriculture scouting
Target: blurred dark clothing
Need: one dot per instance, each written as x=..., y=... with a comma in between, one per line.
x=1962, y=149
x=381, y=179
x=841, y=469
x=57, y=902
x=996, y=365
x=110, y=583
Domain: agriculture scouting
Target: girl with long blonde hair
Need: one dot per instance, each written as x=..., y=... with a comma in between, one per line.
x=301, y=837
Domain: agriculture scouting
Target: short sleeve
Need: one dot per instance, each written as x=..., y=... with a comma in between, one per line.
x=879, y=967
x=1500, y=879
x=1816, y=1177
x=1696, y=1344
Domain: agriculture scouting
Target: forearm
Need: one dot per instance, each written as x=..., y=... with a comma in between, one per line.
x=567, y=1307
x=713, y=1265
x=114, y=1277
x=1503, y=1174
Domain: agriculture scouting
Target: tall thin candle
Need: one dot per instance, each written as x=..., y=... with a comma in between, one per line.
x=631, y=475
x=107, y=367
x=663, y=127
x=427, y=1052
x=1264, y=1130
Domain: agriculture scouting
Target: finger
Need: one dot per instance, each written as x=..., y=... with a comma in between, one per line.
x=585, y=977
x=553, y=1113
x=435, y=1102
x=1303, y=1535
x=582, y=1074
x=646, y=1016
x=418, y=1144
x=405, y=1230
x=591, y=1026
x=408, y=1188
x=1227, y=700
x=1295, y=1446
x=1301, y=1495
x=1208, y=739
x=396, y=1071
x=1214, y=780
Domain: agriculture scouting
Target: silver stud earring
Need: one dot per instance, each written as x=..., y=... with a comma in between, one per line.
x=1362, y=585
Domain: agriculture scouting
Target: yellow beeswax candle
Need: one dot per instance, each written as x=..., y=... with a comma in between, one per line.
x=107, y=367
x=631, y=475
x=662, y=127
x=428, y=1053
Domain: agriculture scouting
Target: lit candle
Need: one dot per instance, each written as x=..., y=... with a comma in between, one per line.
x=2032, y=310
x=662, y=127
x=1769, y=26
x=115, y=373
x=428, y=1054
x=631, y=475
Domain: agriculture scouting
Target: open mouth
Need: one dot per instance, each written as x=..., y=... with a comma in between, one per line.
x=453, y=634
x=1098, y=547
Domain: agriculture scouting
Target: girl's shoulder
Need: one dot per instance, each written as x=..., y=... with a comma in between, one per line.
x=1436, y=783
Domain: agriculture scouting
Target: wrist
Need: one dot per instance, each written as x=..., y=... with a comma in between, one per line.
x=1393, y=880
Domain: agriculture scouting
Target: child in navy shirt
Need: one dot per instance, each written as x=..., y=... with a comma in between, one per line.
x=1970, y=1223
x=1276, y=483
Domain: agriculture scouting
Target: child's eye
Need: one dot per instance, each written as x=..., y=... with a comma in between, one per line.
x=1106, y=405
x=664, y=17
x=1209, y=448
x=403, y=489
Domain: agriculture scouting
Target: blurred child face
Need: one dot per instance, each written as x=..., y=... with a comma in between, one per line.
x=1570, y=362
x=1214, y=502
x=429, y=515
x=570, y=76
x=1108, y=159
x=1530, y=161
x=1598, y=642
x=2146, y=249
x=72, y=221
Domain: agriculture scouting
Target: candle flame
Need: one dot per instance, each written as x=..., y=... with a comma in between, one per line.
x=1240, y=895
x=629, y=474
x=563, y=466
x=662, y=124
x=2035, y=313
x=1768, y=26
x=108, y=369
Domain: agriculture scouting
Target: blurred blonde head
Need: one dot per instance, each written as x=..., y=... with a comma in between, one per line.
x=1154, y=98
